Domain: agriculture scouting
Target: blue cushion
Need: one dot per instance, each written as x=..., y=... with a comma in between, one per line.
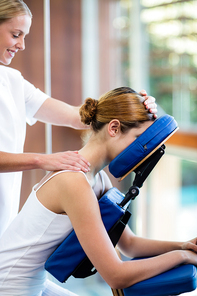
x=66, y=258
x=155, y=135
x=173, y=282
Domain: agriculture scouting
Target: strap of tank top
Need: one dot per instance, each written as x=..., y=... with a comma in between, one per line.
x=101, y=174
x=51, y=175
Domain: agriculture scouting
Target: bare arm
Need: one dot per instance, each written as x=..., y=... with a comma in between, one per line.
x=85, y=216
x=133, y=246
x=10, y=162
x=59, y=113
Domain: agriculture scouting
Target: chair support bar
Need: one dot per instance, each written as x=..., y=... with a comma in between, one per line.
x=142, y=172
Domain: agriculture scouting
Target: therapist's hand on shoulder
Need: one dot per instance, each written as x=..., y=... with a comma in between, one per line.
x=68, y=160
x=149, y=103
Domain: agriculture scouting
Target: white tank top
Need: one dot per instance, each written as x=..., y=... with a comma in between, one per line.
x=27, y=243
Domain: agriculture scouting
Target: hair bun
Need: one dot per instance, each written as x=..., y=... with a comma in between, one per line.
x=88, y=111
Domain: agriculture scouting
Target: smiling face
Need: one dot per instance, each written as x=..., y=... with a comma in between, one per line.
x=12, y=37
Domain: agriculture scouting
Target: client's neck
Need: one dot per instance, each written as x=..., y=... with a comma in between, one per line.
x=96, y=153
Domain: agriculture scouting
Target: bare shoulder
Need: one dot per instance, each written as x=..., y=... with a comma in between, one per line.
x=68, y=177
x=63, y=190
x=74, y=190
x=70, y=182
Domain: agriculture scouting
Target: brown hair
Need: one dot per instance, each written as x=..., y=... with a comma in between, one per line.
x=122, y=103
x=13, y=8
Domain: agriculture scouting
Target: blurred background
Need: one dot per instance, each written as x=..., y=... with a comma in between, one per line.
x=97, y=45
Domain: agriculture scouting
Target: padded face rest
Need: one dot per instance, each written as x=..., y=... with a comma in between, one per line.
x=172, y=282
x=143, y=145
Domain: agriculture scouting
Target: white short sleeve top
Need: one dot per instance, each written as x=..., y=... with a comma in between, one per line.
x=19, y=101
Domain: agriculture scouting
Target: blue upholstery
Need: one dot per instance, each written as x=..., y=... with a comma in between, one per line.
x=156, y=134
x=66, y=258
x=173, y=282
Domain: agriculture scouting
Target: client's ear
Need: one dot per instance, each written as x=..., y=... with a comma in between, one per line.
x=114, y=127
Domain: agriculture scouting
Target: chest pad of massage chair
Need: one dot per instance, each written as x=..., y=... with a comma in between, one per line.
x=140, y=157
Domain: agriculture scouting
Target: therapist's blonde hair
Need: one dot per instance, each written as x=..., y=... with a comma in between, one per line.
x=13, y=8
x=122, y=103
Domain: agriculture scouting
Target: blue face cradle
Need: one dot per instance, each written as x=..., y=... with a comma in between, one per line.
x=138, y=151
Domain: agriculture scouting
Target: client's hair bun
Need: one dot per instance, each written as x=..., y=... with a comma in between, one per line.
x=88, y=111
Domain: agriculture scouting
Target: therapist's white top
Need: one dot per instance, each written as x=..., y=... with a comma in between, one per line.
x=19, y=101
x=27, y=243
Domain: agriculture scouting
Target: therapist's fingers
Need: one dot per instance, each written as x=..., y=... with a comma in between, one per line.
x=150, y=104
x=149, y=101
x=68, y=160
x=143, y=92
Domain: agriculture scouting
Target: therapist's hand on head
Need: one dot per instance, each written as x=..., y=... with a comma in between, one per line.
x=149, y=103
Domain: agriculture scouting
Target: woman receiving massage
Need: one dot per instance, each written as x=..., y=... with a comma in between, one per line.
x=64, y=200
